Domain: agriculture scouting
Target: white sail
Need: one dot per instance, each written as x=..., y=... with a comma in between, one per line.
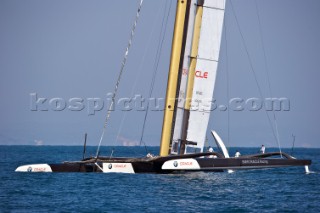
x=205, y=73
x=184, y=79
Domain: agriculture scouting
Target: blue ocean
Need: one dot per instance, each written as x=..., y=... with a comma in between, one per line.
x=269, y=190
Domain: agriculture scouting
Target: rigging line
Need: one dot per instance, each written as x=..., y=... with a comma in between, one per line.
x=228, y=83
x=156, y=65
x=251, y=66
x=140, y=69
x=294, y=139
x=268, y=74
x=120, y=74
x=155, y=68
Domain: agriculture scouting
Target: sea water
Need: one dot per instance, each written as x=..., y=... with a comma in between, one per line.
x=268, y=190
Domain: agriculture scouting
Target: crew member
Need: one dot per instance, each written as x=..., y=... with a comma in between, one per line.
x=149, y=155
x=263, y=149
x=237, y=154
x=211, y=150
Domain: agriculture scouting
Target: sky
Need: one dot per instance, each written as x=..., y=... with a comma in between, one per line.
x=72, y=50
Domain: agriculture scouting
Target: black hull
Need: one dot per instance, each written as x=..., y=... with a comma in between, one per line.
x=179, y=163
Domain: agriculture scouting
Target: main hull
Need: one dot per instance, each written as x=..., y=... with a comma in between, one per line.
x=206, y=162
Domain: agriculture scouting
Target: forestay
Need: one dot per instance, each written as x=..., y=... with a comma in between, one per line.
x=205, y=74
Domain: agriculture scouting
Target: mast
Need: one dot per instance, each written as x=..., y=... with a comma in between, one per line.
x=173, y=76
x=193, y=62
x=192, y=75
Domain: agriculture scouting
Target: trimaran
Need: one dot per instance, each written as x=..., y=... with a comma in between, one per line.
x=192, y=73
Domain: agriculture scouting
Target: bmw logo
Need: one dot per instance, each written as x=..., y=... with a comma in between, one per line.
x=175, y=163
x=29, y=169
x=110, y=166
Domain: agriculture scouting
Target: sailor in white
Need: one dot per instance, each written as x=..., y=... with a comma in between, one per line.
x=211, y=150
x=149, y=155
x=237, y=154
x=263, y=149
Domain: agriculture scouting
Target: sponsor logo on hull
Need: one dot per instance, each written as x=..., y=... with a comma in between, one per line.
x=117, y=168
x=34, y=168
x=181, y=164
x=258, y=161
